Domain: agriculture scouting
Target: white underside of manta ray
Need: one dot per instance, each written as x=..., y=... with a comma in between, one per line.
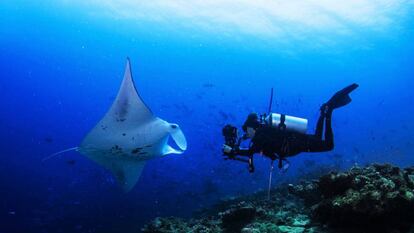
x=129, y=135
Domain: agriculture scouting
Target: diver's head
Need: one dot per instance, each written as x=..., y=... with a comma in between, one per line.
x=251, y=124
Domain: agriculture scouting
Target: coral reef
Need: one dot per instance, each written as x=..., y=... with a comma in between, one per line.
x=381, y=195
x=377, y=198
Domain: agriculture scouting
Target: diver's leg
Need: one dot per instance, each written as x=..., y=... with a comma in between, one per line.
x=329, y=139
x=319, y=126
x=314, y=143
x=341, y=98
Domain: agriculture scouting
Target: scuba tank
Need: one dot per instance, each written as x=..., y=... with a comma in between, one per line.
x=285, y=122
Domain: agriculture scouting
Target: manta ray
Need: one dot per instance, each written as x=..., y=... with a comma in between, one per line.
x=129, y=135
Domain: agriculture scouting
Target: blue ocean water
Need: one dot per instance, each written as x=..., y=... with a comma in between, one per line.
x=62, y=63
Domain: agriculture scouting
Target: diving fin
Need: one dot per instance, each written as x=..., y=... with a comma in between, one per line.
x=341, y=98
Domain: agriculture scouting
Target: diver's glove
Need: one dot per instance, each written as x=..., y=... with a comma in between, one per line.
x=228, y=150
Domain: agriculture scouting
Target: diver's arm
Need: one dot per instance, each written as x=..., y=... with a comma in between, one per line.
x=246, y=152
x=242, y=151
x=232, y=154
x=236, y=150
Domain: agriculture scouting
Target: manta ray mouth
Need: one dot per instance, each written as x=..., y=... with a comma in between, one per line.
x=179, y=139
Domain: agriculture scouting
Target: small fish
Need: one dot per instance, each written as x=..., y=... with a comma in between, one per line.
x=71, y=162
x=12, y=212
x=224, y=115
x=48, y=139
x=208, y=85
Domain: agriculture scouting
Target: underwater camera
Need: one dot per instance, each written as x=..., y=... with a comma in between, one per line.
x=230, y=135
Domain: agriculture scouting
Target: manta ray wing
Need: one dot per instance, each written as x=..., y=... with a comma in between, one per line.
x=122, y=140
x=127, y=172
x=126, y=169
x=120, y=125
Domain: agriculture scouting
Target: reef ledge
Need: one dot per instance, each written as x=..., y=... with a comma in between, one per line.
x=375, y=198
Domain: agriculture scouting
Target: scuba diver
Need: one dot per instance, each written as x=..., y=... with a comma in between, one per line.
x=278, y=136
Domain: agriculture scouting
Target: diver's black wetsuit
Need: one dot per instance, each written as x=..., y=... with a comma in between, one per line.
x=277, y=144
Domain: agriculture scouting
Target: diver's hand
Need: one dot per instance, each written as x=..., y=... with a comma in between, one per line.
x=228, y=150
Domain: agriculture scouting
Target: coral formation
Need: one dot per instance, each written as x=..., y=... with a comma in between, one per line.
x=381, y=195
x=377, y=198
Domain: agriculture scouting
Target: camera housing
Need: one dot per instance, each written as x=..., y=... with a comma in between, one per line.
x=230, y=134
